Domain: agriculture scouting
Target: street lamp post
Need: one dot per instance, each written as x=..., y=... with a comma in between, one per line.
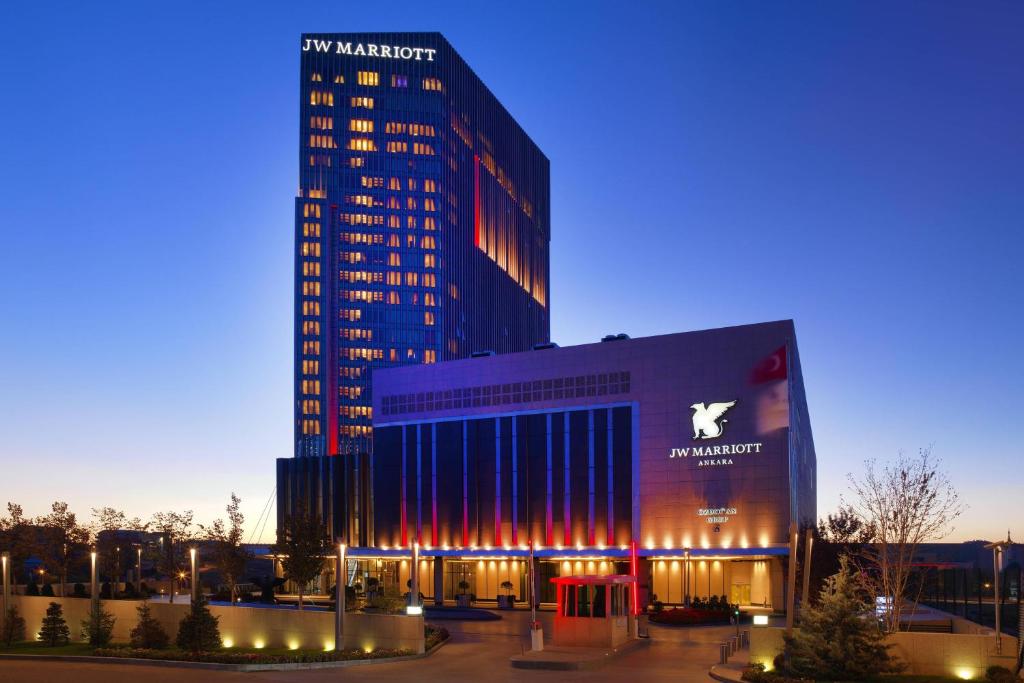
x=339, y=599
x=138, y=569
x=5, y=559
x=414, y=581
x=195, y=582
x=997, y=562
x=94, y=587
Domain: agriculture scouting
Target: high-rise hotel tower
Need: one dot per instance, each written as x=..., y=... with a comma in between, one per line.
x=421, y=235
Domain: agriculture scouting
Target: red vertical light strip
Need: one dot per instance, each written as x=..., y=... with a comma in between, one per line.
x=433, y=484
x=465, y=489
x=476, y=200
x=634, y=567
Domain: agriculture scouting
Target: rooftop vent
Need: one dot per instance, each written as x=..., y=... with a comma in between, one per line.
x=545, y=345
x=481, y=354
x=615, y=337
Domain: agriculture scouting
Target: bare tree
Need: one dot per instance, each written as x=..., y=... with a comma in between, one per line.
x=229, y=555
x=176, y=534
x=303, y=542
x=62, y=540
x=905, y=503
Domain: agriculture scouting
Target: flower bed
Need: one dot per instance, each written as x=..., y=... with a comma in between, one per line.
x=688, y=616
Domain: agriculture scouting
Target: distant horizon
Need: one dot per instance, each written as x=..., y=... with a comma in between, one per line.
x=853, y=168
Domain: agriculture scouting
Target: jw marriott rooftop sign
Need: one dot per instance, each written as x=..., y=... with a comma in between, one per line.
x=417, y=54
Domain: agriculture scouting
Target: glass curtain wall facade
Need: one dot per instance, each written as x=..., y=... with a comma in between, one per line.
x=421, y=233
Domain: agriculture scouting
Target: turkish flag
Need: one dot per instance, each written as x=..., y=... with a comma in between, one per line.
x=771, y=369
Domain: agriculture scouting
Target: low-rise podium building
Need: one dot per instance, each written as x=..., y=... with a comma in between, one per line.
x=687, y=455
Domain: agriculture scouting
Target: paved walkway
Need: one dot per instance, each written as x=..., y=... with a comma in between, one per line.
x=478, y=651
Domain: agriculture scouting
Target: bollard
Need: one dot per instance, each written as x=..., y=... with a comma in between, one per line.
x=734, y=644
x=723, y=654
x=745, y=639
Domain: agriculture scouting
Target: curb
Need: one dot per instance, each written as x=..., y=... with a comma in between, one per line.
x=714, y=673
x=217, y=666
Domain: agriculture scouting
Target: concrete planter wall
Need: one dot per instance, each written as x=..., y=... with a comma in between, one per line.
x=245, y=626
x=960, y=655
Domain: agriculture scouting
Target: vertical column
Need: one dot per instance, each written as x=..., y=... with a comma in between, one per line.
x=515, y=483
x=465, y=484
x=402, y=498
x=610, y=531
x=94, y=584
x=567, y=491
x=591, y=532
x=497, y=481
x=419, y=483
x=439, y=580
x=548, y=512
x=433, y=484
x=195, y=574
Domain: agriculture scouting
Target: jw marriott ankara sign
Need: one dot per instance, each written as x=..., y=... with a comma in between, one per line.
x=709, y=423
x=416, y=54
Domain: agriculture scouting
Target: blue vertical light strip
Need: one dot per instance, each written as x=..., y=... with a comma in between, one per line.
x=515, y=483
x=635, y=456
x=610, y=529
x=567, y=497
x=591, y=533
x=548, y=511
x=497, y=481
x=419, y=483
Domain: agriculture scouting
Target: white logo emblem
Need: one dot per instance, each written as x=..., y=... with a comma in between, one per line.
x=707, y=420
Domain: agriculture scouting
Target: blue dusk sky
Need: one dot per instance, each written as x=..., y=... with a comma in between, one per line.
x=855, y=166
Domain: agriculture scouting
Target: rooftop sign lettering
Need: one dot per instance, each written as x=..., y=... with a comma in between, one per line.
x=417, y=54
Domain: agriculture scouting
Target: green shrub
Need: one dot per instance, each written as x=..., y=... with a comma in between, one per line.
x=840, y=639
x=55, y=630
x=12, y=629
x=47, y=590
x=199, y=630
x=1000, y=674
x=148, y=633
x=99, y=627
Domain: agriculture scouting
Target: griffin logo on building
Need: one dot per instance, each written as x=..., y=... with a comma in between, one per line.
x=707, y=420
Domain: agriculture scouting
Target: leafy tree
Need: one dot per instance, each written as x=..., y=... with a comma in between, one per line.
x=906, y=503
x=12, y=629
x=199, y=630
x=177, y=534
x=62, y=540
x=16, y=538
x=55, y=630
x=148, y=633
x=99, y=627
x=106, y=522
x=840, y=638
x=303, y=542
x=228, y=553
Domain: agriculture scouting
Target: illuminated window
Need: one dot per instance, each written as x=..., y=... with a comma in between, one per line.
x=410, y=222
x=310, y=367
x=360, y=126
x=429, y=356
x=412, y=184
x=428, y=205
x=371, y=181
x=363, y=102
x=429, y=280
x=362, y=145
x=319, y=97
x=310, y=308
x=432, y=84
x=398, y=146
x=393, y=298
x=394, y=277
x=429, y=260
x=394, y=259
x=322, y=141
x=315, y=77
x=311, y=289
x=429, y=185
x=310, y=229
x=399, y=81
x=321, y=122
x=393, y=221
x=428, y=299
x=428, y=318
x=394, y=184
x=311, y=249
x=410, y=203
x=422, y=148
x=429, y=224
x=310, y=327
x=311, y=268
x=412, y=279
x=427, y=242
x=339, y=79
x=356, y=162
x=311, y=210
x=393, y=240
x=311, y=348
x=368, y=78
